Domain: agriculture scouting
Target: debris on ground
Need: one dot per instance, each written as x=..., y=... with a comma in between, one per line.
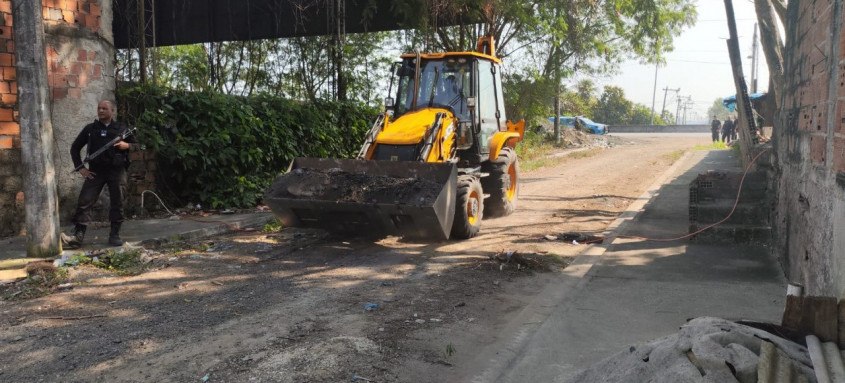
x=42, y=278
x=705, y=349
x=575, y=238
x=528, y=261
x=574, y=138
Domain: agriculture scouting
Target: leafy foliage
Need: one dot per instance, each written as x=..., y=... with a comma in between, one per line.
x=613, y=107
x=296, y=68
x=718, y=109
x=223, y=151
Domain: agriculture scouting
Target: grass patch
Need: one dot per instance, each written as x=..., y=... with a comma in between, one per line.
x=718, y=145
x=584, y=153
x=273, y=227
x=674, y=156
x=534, y=151
x=122, y=262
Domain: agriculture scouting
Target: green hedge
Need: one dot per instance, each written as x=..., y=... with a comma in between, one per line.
x=224, y=151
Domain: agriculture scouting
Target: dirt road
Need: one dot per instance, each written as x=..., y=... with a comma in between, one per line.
x=292, y=306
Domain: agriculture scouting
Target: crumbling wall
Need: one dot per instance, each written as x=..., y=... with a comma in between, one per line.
x=80, y=51
x=809, y=219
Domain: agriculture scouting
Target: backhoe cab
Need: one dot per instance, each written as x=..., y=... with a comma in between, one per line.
x=445, y=124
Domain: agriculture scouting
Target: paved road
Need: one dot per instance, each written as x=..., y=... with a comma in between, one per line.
x=674, y=135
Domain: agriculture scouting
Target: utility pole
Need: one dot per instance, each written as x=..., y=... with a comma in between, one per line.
x=678, y=111
x=41, y=202
x=755, y=61
x=142, y=37
x=687, y=106
x=654, y=94
x=666, y=90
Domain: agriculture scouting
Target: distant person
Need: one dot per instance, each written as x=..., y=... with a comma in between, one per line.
x=727, y=129
x=714, y=128
x=735, y=128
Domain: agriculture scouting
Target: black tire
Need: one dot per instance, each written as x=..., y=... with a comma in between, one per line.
x=469, y=209
x=502, y=184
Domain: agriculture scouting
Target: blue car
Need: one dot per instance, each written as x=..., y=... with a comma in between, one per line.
x=583, y=123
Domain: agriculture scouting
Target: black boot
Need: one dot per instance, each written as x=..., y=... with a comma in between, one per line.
x=114, y=235
x=74, y=241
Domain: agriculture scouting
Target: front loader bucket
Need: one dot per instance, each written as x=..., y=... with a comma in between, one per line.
x=377, y=198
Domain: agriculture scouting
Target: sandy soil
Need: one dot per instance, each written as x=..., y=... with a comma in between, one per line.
x=292, y=306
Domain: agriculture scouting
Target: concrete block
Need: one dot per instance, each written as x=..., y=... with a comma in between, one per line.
x=10, y=170
x=734, y=234
x=10, y=157
x=715, y=186
x=12, y=184
x=745, y=213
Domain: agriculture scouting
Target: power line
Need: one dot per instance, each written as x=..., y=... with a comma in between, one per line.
x=701, y=62
x=722, y=20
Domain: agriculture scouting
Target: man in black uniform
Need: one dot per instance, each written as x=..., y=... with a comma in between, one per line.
x=109, y=168
x=727, y=132
x=714, y=128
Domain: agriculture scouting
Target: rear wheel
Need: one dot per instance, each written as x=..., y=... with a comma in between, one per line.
x=502, y=184
x=469, y=208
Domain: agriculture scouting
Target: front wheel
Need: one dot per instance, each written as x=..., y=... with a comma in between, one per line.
x=502, y=184
x=469, y=208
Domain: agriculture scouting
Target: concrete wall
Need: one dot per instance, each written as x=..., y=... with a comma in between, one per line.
x=81, y=71
x=809, y=141
x=659, y=129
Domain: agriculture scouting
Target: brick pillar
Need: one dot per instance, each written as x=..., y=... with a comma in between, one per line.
x=11, y=197
x=80, y=69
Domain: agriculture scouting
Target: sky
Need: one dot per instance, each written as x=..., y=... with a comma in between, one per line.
x=699, y=65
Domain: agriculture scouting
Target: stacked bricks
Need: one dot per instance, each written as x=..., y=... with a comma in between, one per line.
x=11, y=197
x=81, y=13
x=70, y=74
x=69, y=80
x=9, y=128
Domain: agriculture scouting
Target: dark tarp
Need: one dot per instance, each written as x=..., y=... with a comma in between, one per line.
x=194, y=21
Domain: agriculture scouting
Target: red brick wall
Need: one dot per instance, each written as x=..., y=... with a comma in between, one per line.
x=64, y=81
x=810, y=146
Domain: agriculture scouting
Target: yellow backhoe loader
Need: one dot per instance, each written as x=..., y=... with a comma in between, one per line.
x=437, y=160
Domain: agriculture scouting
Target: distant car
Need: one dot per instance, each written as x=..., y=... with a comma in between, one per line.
x=565, y=121
x=583, y=123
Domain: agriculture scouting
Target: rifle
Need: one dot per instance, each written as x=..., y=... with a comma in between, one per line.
x=120, y=137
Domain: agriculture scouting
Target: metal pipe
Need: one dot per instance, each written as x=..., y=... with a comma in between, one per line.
x=814, y=346
x=834, y=359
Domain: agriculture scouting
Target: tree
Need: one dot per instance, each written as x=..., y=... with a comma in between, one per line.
x=527, y=97
x=555, y=39
x=718, y=109
x=773, y=45
x=641, y=115
x=613, y=108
